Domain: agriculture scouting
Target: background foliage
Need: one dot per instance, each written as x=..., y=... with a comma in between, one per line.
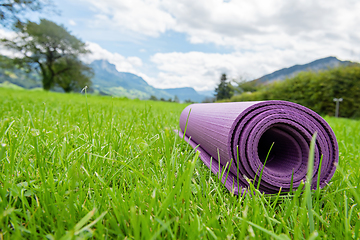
x=315, y=90
x=224, y=90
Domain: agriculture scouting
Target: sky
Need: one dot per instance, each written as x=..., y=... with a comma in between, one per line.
x=190, y=43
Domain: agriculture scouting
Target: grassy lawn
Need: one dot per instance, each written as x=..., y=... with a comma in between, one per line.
x=73, y=167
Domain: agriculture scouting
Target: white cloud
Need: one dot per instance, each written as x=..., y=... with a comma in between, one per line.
x=122, y=63
x=264, y=35
x=143, y=16
x=72, y=22
x=203, y=70
x=236, y=23
x=243, y=24
x=135, y=61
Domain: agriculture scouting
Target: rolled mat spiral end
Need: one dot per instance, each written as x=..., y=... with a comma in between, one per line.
x=239, y=136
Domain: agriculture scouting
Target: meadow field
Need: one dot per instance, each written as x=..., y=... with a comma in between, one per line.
x=76, y=166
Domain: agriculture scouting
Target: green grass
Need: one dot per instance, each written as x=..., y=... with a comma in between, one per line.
x=117, y=170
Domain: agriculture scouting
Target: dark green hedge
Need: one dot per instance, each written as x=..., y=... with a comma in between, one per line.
x=316, y=91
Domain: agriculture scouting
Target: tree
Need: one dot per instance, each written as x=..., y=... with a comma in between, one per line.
x=176, y=99
x=208, y=100
x=52, y=51
x=11, y=10
x=153, y=98
x=246, y=86
x=224, y=89
x=5, y=62
x=78, y=75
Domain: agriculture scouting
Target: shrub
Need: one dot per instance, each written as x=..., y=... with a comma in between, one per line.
x=316, y=90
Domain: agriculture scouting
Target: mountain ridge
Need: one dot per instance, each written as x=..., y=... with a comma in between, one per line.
x=316, y=65
x=108, y=80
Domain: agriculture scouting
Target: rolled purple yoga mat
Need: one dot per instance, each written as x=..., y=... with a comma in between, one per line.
x=239, y=135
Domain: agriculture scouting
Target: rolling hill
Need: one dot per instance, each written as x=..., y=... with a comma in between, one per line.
x=317, y=65
x=107, y=80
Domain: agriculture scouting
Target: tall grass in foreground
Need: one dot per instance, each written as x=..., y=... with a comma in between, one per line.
x=121, y=172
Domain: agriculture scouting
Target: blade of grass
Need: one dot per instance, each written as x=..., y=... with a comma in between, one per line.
x=309, y=175
x=88, y=115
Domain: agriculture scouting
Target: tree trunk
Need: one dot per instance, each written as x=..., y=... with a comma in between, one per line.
x=67, y=89
x=47, y=79
x=46, y=83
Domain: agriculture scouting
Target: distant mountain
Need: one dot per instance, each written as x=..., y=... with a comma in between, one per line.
x=186, y=93
x=208, y=93
x=107, y=80
x=18, y=77
x=317, y=65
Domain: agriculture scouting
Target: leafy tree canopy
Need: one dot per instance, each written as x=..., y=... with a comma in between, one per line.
x=53, y=52
x=76, y=77
x=153, y=98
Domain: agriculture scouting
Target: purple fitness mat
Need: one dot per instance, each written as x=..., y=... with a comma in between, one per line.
x=239, y=136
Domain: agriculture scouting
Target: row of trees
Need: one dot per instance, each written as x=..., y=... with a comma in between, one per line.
x=154, y=98
x=315, y=90
x=45, y=47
